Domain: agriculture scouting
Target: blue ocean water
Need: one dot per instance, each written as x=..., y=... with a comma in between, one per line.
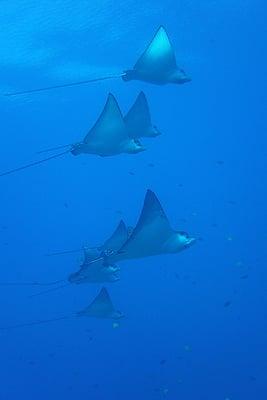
x=195, y=325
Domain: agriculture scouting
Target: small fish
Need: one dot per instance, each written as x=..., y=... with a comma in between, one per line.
x=32, y=363
x=233, y=203
x=227, y=304
x=239, y=264
x=95, y=386
x=165, y=392
x=252, y=378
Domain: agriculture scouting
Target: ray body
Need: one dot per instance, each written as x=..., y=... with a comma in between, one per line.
x=153, y=234
x=138, y=119
x=109, y=135
x=157, y=64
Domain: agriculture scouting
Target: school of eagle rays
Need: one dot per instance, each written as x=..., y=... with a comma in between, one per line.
x=114, y=134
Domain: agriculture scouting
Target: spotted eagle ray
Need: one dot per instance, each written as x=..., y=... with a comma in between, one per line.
x=101, y=307
x=153, y=234
x=108, y=137
x=156, y=65
x=94, y=269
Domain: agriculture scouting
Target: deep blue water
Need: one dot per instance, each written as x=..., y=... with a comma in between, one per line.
x=195, y=326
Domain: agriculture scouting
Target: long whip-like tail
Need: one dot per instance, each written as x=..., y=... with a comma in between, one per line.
x=64, y=85
x=12, y=171
x=44, y=321
x=59, y=253
x=31, y=283
x=54, y=148
x=49, y=290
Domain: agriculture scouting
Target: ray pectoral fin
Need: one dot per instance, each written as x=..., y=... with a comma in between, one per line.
x=159, y=55
x=109, y=130
x=117, y=239
x=138, y=118
x=151, y=231
x=152, y=209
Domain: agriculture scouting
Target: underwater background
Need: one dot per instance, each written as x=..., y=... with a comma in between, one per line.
x=196, y=322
